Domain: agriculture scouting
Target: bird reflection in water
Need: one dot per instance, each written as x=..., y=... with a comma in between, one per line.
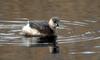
x=45, y=41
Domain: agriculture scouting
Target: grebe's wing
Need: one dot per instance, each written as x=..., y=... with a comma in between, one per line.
x=43, y=27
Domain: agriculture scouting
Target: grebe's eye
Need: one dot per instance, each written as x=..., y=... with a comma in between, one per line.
x=55, y=21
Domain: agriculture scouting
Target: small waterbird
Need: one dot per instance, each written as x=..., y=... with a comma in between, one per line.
x=44, y=30
x=41, y=28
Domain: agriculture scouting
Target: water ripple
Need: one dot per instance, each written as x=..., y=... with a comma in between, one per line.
x=14, y=27
x=85, y=52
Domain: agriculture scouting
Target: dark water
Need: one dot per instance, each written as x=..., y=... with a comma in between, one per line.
x=77, y=40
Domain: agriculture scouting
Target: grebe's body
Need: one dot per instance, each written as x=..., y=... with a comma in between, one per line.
x=41, y=28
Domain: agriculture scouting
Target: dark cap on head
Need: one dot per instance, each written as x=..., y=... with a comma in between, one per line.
x=55, y=19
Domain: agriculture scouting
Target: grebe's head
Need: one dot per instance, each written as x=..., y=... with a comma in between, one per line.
x=54, y=22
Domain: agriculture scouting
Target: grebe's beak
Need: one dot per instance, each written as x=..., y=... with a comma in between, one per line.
x=60, y=25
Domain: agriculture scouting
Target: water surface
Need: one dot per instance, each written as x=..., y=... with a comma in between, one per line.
x=77, y=40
